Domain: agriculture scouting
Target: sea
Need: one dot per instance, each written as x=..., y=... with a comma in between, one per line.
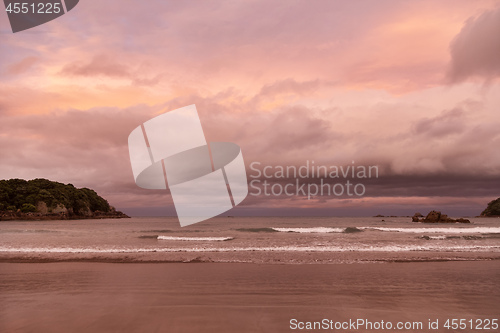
x=250, y=239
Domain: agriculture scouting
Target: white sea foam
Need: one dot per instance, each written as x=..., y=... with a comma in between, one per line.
x=453, y=230
x=316, y=230
x=456, y=230
x=359, y=248
x=208, y=239
x=437, y=237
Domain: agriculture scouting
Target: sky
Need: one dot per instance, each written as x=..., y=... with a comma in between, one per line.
x=411, y=87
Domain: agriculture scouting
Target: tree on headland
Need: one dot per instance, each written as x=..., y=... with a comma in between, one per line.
x=493, y=208
x=45, y=197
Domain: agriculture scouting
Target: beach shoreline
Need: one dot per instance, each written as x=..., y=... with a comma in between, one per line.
x=235, y=297
x=279, y=258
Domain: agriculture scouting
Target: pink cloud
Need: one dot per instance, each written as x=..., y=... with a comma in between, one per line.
x=98, y=65
x=103, y=65
x=288, y=81
x=475, y=51
x=22, y=66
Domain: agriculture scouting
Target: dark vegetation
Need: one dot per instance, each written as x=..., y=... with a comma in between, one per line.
x=493, y=208
x=42, y=197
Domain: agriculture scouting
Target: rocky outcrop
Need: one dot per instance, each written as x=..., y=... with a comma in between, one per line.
x=60, y=209
x=36, y=216
x=41, y=207
x=416, y=217
x=437, y=217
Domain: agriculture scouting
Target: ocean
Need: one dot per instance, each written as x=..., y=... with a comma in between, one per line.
x=250, y=239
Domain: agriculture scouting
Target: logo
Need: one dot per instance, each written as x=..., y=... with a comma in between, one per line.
x=170, y=151
x=26, y=14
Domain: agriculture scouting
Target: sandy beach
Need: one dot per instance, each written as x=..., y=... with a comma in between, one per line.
x=231, y=297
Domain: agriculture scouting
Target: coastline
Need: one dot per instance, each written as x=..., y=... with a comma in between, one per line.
x=243, y=274
x=277, y=258
x=19, y=216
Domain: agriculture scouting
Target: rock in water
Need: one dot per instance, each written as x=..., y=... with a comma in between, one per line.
x=437, y=217
x=416, y=217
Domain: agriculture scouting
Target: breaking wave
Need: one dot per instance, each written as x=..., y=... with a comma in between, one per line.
x=203, y=239
x=360, y=248
x=316, y=230
x=256, y=230
x=325, y=230
x=439, y=230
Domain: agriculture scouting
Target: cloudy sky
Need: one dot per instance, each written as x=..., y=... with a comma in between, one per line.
x=410, y=86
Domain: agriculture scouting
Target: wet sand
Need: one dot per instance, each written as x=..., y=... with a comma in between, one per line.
x=232, y=297
x=257, y=257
